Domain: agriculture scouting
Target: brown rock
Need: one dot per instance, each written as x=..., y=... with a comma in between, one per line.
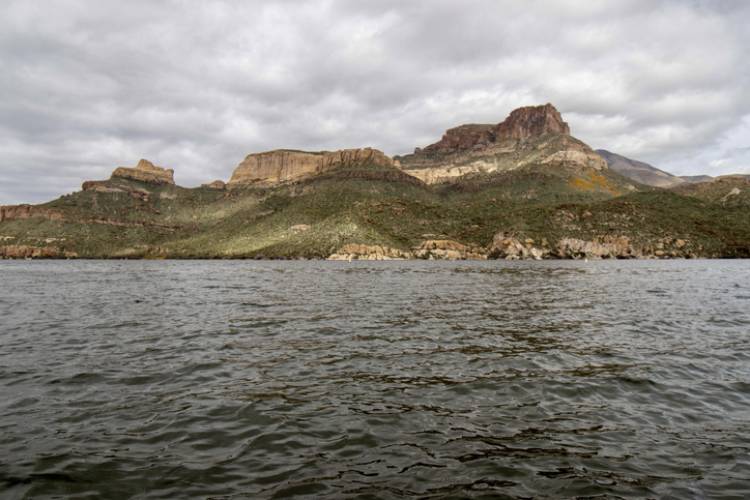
x=534, y=135
x=522, y=123
x=101, y=187
x=532, y=121
x=146, y=171
x=17, y=212
x=282, y=166
x=217, y=184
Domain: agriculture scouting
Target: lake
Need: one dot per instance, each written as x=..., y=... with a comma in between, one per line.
x=250, y=379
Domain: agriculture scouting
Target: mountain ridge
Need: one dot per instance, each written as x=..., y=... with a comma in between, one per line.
x=520, y=189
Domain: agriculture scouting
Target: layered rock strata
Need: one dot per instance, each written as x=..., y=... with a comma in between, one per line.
x=354, y=251
x=145, y=171
x=32, y=252
x=283, y=166
x=530, y=135
x=20, y=212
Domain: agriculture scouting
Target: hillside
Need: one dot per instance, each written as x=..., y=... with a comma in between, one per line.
x=640, y=171
x=524, y=188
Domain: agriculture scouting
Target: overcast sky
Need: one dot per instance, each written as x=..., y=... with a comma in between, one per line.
x=86, y=86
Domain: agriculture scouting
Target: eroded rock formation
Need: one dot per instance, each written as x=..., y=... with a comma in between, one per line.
x=146, y=171
x=281, y=166
x=448, y=250
x=522, y=123
x=217, y=184
x=32, y=252
x=19, y=212
x=530, y=135
x=355, y=251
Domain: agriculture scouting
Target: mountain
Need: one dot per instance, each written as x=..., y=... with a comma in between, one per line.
x=533, y=135
x=524, y=188
x=696, y=178
x=639, y=171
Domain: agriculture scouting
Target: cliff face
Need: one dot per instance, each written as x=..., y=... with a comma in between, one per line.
x=282, y=166
x=530, y=135
x=522, y=123
x=22, y=212
x=146, y=171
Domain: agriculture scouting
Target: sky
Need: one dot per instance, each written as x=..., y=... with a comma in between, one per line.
x=86, y=86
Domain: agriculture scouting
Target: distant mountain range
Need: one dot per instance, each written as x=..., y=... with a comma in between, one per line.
x=524, y=188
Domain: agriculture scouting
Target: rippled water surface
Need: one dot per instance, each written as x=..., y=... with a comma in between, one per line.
x=375, y=380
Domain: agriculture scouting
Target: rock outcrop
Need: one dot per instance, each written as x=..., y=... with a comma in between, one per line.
x=283, y=166
x=448, y=250
x=31, y=252
x=147, y=172
x=509, y=247
x=530, y=135
x=217, y=184
x=428, y=249
x=607, y=247
x=109, y=187
x=20, y=212
x=355, y=251
x=522, y=123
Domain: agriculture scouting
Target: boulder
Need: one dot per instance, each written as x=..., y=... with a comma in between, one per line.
x=508, y=247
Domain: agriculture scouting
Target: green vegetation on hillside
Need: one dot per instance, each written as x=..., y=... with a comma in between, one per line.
x=375, y=205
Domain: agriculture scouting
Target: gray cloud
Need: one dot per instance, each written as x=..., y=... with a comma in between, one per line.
x=88, y=86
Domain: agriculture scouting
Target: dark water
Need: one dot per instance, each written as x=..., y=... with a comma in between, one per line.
x=375, y=380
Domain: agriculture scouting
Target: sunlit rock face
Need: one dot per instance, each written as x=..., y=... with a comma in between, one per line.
x=281, y=166
x=146, y=171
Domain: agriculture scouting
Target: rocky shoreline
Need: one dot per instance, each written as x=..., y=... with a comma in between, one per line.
x=503, y=247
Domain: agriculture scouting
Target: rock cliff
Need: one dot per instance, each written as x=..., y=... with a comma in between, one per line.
x=530, y=135
x=282, y=166
x=21, y=212
x=146, y=171
x=522, y=123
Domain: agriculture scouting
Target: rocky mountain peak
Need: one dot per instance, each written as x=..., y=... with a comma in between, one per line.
x=532, y=121
x=522, y=123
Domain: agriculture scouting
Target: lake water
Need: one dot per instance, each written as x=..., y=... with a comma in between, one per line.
x=246, y=379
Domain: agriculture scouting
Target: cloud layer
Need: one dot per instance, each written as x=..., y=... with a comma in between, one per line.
x=87, y=86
